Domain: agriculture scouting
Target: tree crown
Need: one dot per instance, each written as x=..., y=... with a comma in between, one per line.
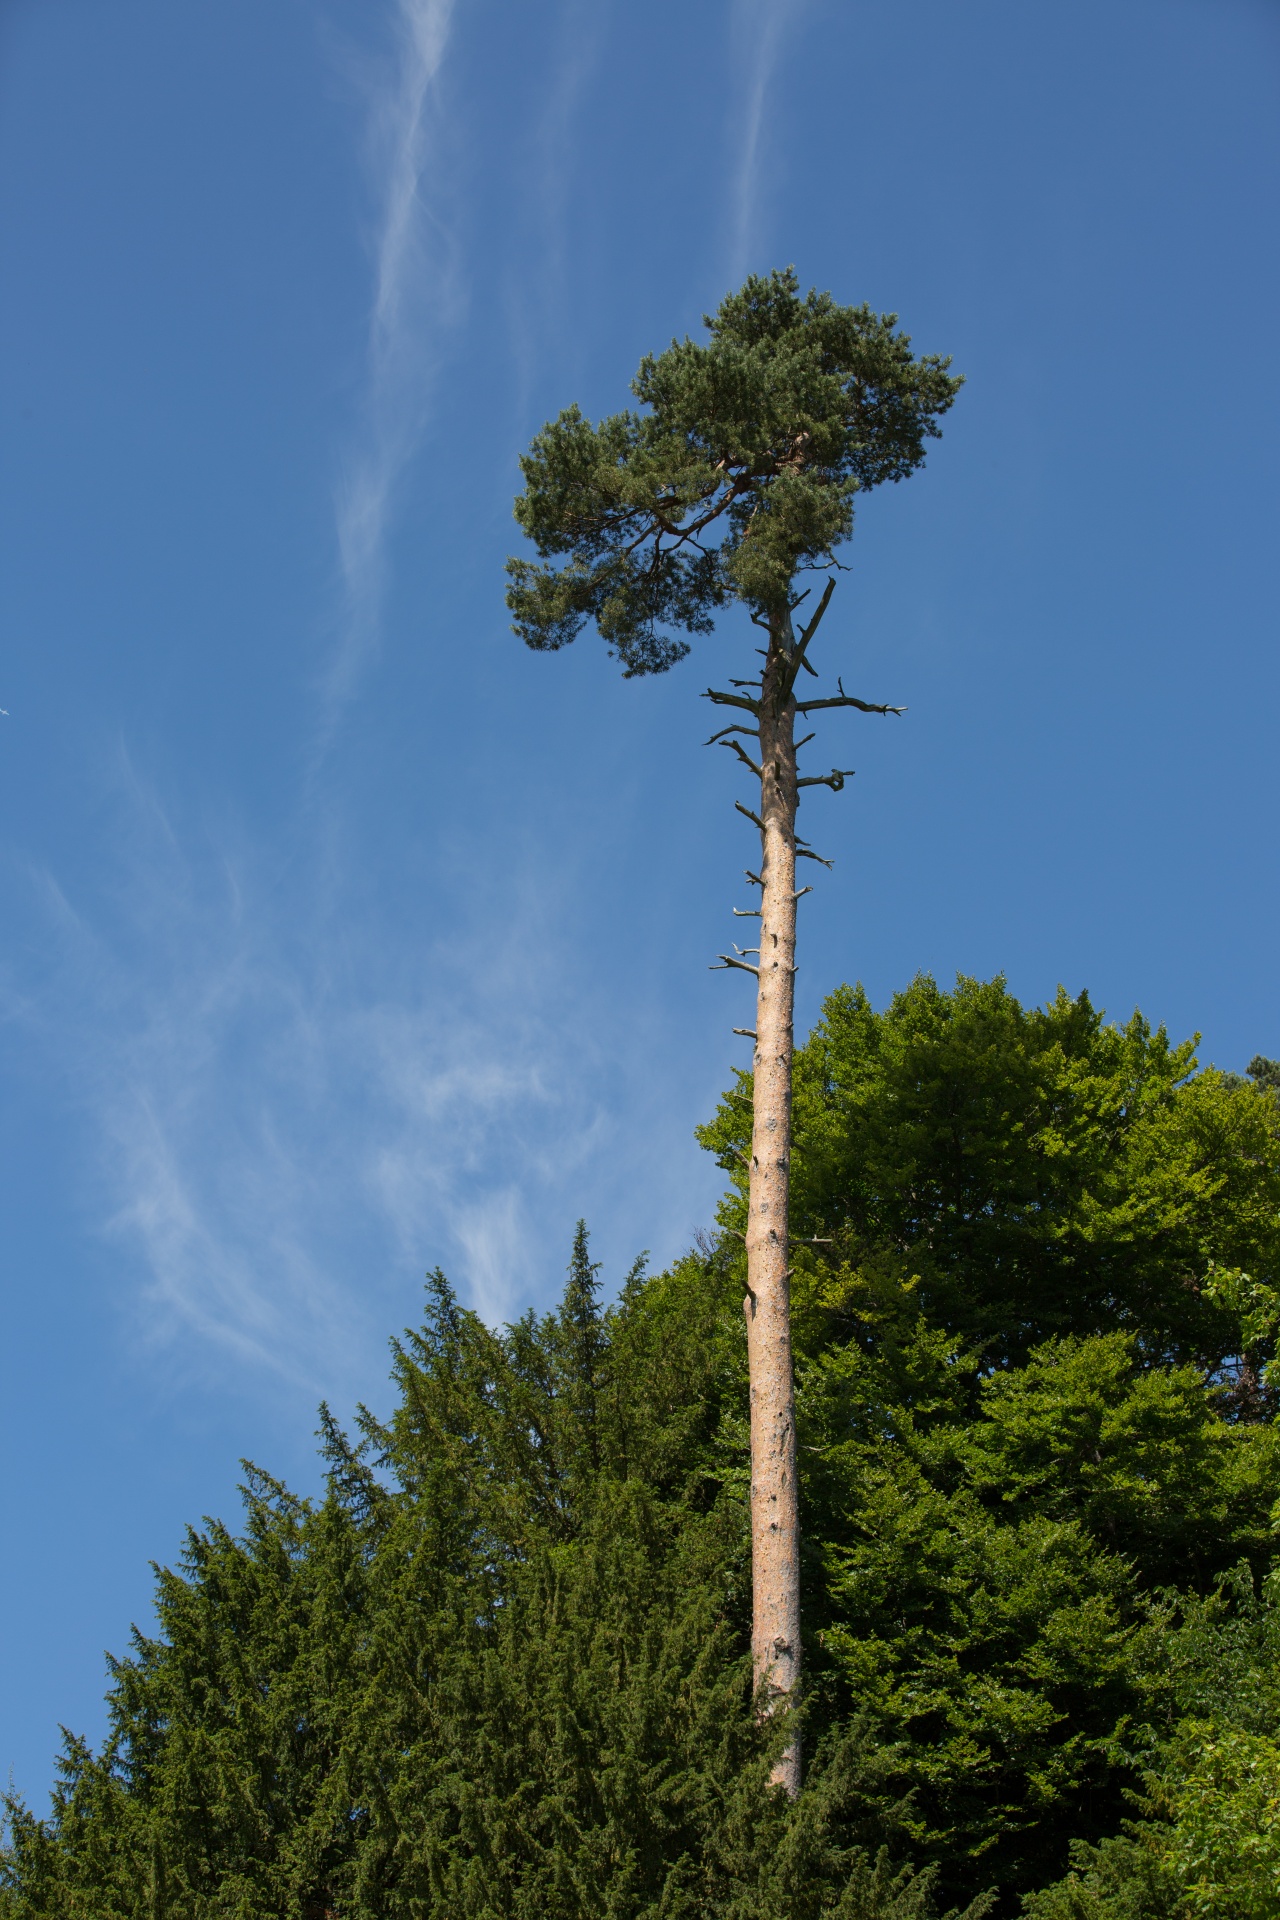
x=741, y=472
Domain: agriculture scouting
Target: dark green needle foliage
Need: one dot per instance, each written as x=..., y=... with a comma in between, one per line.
x=498, y=1671
x=500, y=1668
x=742, y=468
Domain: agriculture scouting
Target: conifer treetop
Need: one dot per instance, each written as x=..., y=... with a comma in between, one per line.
x=741, y=472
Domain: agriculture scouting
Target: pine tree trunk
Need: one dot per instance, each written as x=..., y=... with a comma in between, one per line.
x=775, y=1514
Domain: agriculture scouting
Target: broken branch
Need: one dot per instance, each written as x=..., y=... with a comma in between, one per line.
x=752, y=733
x=844, y=699
x=797, y=659
x=744, y=756
x=722, y=699
x=835, y=779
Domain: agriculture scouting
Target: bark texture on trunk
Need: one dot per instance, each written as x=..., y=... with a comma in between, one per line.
x=775, y=1513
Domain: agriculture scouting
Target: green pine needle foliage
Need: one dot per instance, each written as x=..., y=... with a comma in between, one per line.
x=741, y=469
x=501, y=1668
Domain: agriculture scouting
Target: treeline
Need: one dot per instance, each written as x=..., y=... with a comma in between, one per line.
x=501, y=1669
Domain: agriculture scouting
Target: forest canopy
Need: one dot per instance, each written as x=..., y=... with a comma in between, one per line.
x=501, y=1668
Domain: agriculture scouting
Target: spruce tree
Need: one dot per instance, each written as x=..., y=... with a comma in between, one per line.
x=738, y=479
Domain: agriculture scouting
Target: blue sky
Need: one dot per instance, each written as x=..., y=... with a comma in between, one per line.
x=343, y=937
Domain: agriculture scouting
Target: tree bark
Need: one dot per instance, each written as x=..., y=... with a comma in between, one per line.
x=775, y=1514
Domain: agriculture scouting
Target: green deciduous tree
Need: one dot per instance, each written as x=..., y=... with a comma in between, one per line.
x=738, y=476
x=1038, y=1171
x=1205, y=1836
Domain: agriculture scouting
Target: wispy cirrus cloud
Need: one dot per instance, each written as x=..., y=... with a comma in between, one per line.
x=296, y=1103
x=537, y=273
x=293, y=1111
x=757, y=31
x=416, y=297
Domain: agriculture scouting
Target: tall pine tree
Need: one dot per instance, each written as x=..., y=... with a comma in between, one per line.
x=739, y=478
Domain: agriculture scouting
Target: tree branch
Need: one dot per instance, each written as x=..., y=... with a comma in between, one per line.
x=753, y=817
x=743, y=966
x=797, y=658
x=807, y=853
x=752, y=733
x=835, y=779
x=844, y=700
x=732, y=700
x=744, y=756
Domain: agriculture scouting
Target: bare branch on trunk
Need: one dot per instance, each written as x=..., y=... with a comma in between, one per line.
x=742, y=754
x=835, y=779
x=797, y=659
x=843, y=699
x=722, y=699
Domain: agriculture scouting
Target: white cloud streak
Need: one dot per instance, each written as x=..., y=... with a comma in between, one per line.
x=295, y=1113
x=537, y=273
x=416, y=296
x=756, y=35
x=296, y=1108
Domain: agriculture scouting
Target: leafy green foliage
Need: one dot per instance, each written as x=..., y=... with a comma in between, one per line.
x=1037, y=1171
x=1220, y=1788
x=742, y=470
x=501, y=1667
x=1209, y=1838
x=990, y=1557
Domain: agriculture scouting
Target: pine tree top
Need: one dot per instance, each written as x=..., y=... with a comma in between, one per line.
x=740, y=472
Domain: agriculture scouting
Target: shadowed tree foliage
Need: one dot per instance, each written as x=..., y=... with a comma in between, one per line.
x=500, y=1669
x=738, y=477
